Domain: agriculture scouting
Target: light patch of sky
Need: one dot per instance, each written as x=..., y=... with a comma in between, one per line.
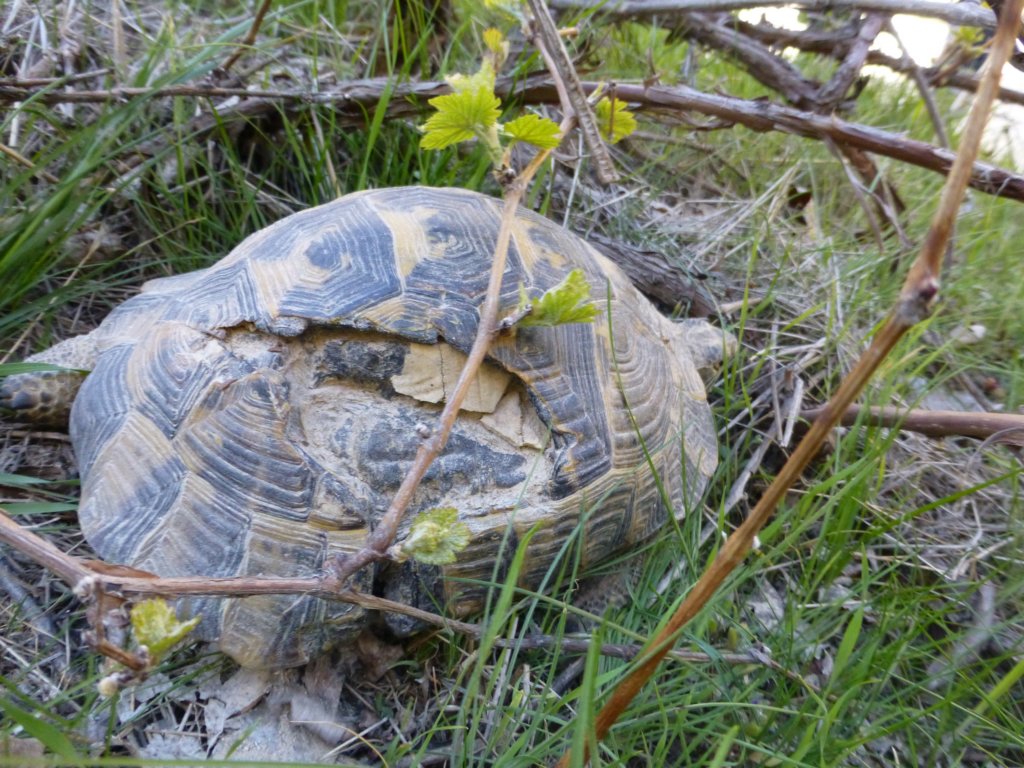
x=925, y=40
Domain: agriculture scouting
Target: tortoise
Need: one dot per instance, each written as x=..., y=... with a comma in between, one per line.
x=255, y=417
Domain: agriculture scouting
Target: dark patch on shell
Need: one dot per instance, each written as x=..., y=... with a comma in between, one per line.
x=357, y=360
x=386, y=450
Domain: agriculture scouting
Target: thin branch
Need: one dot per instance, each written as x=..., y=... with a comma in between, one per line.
x=981, y=425
x=386, y=530
x=13, y=90
x=68, y=568
x=834, y=44
x=92, y=74
x=773, y=71
x=914, y=304
x=863, y=195
x=538, y=641
x=350, y=100
x=21, y=159
x=917, y=74
x=343, y=567
x=549, y=41
x=659, y=277
x=776, y=72
x=249, y=39
x=961, y=14
x=834, y=91
x=764, y=116
x=93, y=579
x=871, y=189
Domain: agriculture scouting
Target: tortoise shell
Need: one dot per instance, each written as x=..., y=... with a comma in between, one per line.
x=255, y=418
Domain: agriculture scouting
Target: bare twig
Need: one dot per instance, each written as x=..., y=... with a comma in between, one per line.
x=923, y=87
x=773, y=71
x=91, y=74
x=95, y=579
x=933, y=423
x=962, y=14
x=539, y=641
x=914, y=304
x=763, y=116
x=835, y=42
x=351, y=99
x=22, y=160
x=12, y=90
x=776, y=72
x=68, y=568
x=377, y=544
x=874, y=193
x=549, y=41
x=342, y=568
x=387, y=528
x=249, y=39
x=659, y=277
x=835, y=90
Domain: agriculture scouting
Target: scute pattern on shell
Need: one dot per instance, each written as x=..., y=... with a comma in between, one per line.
x=220, y=432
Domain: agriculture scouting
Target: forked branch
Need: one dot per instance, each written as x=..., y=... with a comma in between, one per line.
x=89, y=576
x=352, y=100
x=963, y=14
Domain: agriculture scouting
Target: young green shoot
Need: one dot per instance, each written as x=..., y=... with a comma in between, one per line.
x=472, y=112
x=567, y=302
x=614, y=119
x=435, y=538
x=156, y=626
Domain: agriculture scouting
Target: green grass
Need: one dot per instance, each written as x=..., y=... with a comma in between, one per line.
x=871, y=583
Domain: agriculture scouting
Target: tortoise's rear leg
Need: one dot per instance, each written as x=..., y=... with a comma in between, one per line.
x=45, y=398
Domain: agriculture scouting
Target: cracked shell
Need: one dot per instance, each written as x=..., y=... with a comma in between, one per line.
x=254, y=418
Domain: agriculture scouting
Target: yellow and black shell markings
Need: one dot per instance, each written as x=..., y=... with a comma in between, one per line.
x=253, y=418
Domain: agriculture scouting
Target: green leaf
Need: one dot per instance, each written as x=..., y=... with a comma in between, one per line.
x=969, y=37
x=567, y=302
x=614, y=120
x=48, y=734
x=848, y=643
x=28, y=508
x=12, y=369
x=460, y=116
x=483, y=79
x=156, y=626
x=497, y=48
x=534, y=129
x=494, y=40
x=436, y=536
x=21, y=481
